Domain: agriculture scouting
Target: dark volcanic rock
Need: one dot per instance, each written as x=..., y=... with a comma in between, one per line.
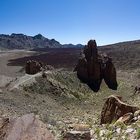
x=92, y=68
x=33, y=67
x=109, y=72
x=82, y=71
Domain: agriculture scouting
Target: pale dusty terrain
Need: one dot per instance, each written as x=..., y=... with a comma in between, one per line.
x=5, y=56
x=11, y=73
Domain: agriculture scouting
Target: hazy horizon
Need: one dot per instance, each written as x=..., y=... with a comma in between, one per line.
x=73, y=21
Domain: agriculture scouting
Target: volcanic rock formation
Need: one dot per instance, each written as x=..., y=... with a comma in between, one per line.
x=33, y=67
x=92, y=68
x=115, y=109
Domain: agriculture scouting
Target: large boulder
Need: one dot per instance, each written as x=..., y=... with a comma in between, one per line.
x=114, y=108
x=27, y=127
x=92, y=68
x=33, y=67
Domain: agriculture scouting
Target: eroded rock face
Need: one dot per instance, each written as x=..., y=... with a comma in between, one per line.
x=92, y=68
x=114, y=108
x=33, y=67
x=27, y=127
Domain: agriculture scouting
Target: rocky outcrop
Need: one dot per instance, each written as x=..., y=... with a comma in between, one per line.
x=77, y=135
x=33, y=67
x=77, y=132
x=27, y=127
x=92, y=68
x=114, y=108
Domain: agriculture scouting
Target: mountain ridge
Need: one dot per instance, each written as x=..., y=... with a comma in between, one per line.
x=21, y=41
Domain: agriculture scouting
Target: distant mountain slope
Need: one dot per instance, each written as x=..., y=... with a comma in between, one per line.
x=126, y=55
x=21, y=41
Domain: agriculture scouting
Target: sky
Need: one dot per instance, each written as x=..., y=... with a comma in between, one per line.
x=73, y=21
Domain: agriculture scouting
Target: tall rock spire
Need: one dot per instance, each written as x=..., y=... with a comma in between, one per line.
x=92, y=68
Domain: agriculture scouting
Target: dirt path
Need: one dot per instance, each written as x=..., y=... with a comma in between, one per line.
x=25, y=80
x=8, y=74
